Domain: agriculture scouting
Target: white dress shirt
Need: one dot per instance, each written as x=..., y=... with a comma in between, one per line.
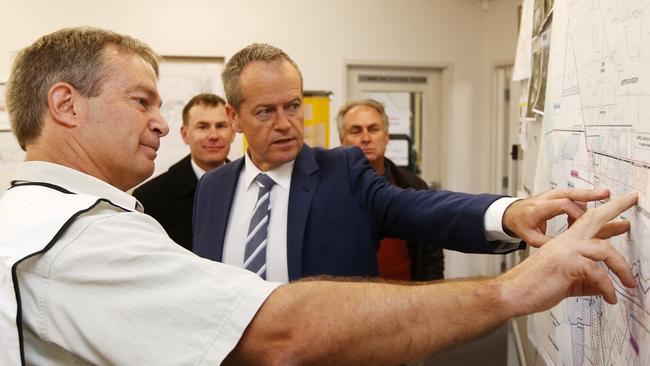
x=197, y=169
x=277, y=269
x=493, y=222
x=276, y=252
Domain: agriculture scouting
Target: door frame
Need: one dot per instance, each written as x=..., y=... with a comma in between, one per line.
x=504, y=130
x=445, y=70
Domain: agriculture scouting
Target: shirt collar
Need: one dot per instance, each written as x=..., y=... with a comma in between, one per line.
x=74, y=181
x=281, y=175
x=197, y=169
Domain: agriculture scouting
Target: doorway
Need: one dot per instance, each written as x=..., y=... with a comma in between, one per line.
x=416, y=106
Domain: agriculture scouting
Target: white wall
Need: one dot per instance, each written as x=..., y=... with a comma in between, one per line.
x=471, y=35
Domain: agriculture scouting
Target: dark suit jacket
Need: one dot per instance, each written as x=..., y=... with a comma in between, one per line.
x=169, y=198
x=339, y=209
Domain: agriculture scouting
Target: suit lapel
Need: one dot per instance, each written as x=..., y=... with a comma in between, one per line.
x=304, y=181
x=184, y=177
x=222, y=209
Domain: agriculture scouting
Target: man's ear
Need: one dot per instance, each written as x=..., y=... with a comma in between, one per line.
x=62, y=104
x=184, y=134
x=234, y=118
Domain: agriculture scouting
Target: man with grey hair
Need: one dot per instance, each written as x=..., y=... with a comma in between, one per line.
x=86, y=278
x=364, y=123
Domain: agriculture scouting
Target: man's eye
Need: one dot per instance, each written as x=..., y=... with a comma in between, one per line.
x=264, y=112
x=141, y=101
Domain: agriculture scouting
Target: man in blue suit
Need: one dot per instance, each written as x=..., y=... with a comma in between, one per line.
x=327, y=210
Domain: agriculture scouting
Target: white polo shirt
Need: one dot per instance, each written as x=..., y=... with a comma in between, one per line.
x=115, y=289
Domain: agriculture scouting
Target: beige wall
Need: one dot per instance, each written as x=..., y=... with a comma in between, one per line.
x=319, y=35
x=471, y=35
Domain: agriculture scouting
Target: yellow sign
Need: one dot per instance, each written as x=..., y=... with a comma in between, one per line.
x=317, y=120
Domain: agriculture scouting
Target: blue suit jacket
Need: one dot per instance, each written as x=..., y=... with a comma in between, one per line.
x=339, y=209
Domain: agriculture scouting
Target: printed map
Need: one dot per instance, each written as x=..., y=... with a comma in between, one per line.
x=596, y=133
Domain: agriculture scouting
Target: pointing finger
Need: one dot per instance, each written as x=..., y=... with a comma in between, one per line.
x=592, y=221
x=613, y=228
x=602, y=251
x=579, y=194
x=559, y=206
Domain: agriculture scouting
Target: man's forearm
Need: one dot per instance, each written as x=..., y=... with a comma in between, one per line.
x=316, y=322
x=343, y=323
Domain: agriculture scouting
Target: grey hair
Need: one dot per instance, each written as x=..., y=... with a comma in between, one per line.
x=376, y=105
x=234, y=67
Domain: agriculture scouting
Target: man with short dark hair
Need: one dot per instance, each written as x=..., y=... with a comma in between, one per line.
x=364, y=123
x=86, y=278
x=169, y=197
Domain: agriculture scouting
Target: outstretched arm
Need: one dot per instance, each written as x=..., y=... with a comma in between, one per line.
x=348, y=323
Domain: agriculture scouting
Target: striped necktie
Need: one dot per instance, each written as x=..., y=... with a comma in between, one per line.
x=255, y=252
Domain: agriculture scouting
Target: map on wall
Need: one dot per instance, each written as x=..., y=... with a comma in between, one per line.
x=596, y=133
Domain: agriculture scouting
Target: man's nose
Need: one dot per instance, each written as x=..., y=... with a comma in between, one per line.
x=213, y=133
x=282, y=122
x=159, y=125
x=365, y=136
